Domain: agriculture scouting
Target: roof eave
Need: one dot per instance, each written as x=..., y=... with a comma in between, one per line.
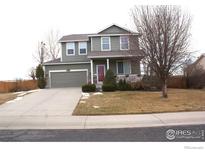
x=82, y=40
x=114, y=56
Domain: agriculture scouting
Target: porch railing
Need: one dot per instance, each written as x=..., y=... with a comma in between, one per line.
x=129, y=77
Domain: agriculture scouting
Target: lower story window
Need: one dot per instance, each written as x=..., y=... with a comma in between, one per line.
x=120, y=69
x=123, y=67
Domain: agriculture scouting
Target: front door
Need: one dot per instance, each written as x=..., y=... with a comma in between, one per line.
x=100, y=73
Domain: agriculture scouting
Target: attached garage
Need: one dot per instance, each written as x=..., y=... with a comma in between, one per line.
x=63, y=78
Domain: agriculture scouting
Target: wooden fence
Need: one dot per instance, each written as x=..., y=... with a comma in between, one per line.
x=19, y=85
x=177, y=82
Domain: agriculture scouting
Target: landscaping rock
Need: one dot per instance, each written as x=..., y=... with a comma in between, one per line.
x=96, y=107
x=82, y=102
x=98, y=93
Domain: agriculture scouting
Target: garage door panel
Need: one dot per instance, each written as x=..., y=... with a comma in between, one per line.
x=68, y=79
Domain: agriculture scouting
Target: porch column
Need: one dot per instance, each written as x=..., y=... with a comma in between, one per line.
x=108, y=64
x=91, y=70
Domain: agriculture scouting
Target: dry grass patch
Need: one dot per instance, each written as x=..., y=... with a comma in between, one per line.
x=135, y=102
x=4, y=97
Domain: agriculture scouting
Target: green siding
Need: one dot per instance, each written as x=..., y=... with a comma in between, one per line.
x=96, y=43
x=76, y=57
x=115, y=43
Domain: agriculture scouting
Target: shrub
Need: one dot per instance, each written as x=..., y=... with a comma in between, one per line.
x=108, y=87
x=41, y=83
x=123, y=85
x=196, y=79
x=138, y=85
x=40, y=77
x=151, y=83
x=109, y=83
x=109, y=78
x=89, y=88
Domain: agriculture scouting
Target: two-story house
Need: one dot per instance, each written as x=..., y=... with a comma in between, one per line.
x=85, y=58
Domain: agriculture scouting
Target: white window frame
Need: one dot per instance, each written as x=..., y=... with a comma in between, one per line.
x=102, y=44
x=80, y=48
x=123, y=67
x=67, y=49
x=121, y=43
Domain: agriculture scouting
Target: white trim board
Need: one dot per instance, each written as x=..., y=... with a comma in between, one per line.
x=94, y=35
x=111, y=56
x=65, y=41
x=67, y=63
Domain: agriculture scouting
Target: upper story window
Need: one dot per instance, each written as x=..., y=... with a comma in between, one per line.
x=70, y=49
x=124, y=43
x=105, y=43
x=82, y=48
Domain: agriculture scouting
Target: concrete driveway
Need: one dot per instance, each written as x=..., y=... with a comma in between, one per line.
x=45, y=108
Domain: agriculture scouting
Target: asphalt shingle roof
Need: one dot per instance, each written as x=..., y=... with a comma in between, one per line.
x=74, y=37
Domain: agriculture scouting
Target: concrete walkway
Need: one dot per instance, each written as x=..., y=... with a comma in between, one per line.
x=52, y=109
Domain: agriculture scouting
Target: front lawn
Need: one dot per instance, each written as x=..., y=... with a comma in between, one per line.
x=135, y=102
x=4, y=97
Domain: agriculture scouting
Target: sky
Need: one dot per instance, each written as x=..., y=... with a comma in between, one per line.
x=24, y=23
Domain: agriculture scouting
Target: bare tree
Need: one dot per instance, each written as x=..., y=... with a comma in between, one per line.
x=52, y=45
x=32, y=73
x=165, y=37
x=41, y=54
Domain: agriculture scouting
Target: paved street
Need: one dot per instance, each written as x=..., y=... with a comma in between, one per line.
x=122, y=134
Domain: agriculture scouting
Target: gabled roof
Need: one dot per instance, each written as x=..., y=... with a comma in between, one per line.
x=74, y=37
x=194, y=64
x=122, y=29
x=106, y=31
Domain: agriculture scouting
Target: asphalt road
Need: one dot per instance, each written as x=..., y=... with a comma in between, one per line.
x=191, y=133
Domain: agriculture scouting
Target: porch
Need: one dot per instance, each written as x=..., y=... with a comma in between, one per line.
x=123, y=68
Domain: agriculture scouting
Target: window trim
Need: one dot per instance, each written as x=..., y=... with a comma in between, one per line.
x=102, y=44
x=130, y=72
x=67, y=49
x=80, y=48
x=121, y=43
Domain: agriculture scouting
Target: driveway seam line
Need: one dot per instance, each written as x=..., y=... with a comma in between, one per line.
x=159, y=119
x=84, y=126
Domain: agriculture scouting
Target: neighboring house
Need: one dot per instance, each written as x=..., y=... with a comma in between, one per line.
x=199, y=64
x=85, y=58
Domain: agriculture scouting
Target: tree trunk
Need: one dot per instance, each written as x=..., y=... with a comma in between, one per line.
x=164, y=89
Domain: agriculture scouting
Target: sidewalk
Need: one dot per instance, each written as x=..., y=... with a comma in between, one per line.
x=113, y=121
